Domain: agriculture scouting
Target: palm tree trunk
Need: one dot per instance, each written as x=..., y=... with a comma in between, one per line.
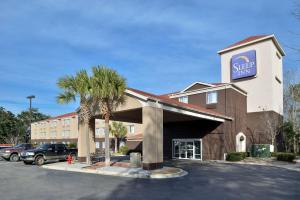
x=116, y=144
x=87, y=135
x=106, y=131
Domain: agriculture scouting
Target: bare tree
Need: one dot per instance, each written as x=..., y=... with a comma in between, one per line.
x=292, y=102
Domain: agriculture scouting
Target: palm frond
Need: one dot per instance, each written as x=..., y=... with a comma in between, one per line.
x=108, y=86
x=65, y=97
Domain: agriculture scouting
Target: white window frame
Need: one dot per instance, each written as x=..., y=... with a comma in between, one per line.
x=184, y=99
x=207, y=97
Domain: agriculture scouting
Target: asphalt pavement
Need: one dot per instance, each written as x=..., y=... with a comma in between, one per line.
x=204, y=181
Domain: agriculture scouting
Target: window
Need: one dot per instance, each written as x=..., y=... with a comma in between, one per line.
x=97, y=145
x=99, y=132
x=131, y=129
x=66, y=122
x=211, y=97
x=66, y=133
x=183, y=99
x=53, y=124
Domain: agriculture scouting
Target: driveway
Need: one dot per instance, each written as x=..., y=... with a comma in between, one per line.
x=205, y=181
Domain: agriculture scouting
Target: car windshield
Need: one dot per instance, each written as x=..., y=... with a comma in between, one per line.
x=19, y=145
x=44, y=146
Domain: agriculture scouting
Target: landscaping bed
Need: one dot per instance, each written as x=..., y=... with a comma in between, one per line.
x=112, y=164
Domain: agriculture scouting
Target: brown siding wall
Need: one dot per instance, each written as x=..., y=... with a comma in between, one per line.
x=212, y=140
x=232, y=104
x=258, y=131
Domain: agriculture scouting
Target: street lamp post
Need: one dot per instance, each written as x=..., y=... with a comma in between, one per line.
x=30, y=116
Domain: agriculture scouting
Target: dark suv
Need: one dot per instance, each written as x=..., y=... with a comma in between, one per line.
x=47, y=152
x=13, y=153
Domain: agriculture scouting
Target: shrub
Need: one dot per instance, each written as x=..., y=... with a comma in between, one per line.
x=73, y=145
x=236, y=156
x=289, y=157
x=124, y=149
x=273, y=154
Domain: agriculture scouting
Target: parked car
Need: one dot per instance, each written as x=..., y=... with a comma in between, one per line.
x=13, y=153
x=4, y=146
x=46, y=152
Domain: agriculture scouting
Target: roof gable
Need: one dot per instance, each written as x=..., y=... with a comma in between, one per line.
x=164, y=99
x=197, y=85
x=252, y=40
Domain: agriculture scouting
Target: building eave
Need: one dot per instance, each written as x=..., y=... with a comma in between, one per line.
x=274, y=39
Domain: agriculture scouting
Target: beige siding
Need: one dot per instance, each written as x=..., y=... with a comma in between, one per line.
x=261, y=94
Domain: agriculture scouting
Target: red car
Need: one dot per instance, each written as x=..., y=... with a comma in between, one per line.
x=13, y=153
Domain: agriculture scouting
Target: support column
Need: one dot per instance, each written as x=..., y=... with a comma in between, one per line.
x=82, y=140
x=152, y=137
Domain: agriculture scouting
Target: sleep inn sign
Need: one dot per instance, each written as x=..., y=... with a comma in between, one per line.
x=243, y=65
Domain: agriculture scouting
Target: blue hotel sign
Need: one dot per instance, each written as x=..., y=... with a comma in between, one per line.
x=243, y=65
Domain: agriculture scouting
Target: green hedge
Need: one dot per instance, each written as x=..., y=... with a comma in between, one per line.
x=236, y=156
x=124, y=149
x=73, y=145
x=273, y=154
x=289, y=157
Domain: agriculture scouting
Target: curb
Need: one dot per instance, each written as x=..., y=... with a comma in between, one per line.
x=146, y=175
x=175, y=175
x=261, y=164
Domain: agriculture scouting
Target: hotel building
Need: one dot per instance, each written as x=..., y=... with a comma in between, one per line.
x=208, y=120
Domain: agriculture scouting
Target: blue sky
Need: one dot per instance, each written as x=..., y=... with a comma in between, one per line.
x=159, y=46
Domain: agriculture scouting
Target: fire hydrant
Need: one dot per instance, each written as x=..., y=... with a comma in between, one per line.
x=69, y=159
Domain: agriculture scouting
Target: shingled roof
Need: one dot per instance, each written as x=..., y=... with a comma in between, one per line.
x=253, y=39
x=164, y=99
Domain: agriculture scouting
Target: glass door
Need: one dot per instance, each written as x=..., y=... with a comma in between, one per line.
x=197, y=149
x=187, y=149
x=182, y=149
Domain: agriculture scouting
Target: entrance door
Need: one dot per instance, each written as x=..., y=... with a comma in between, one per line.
x=187, y=149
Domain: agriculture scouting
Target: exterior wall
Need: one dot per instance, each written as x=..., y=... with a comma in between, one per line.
x=45, y=131
x=264, y=91
x=232, y=104
x=259, y=125
x=208, y=131
x=53, y=130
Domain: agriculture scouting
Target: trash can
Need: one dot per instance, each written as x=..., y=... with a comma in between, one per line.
x=135, y=160
x=260, y=150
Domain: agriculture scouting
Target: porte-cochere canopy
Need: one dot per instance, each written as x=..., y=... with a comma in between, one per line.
x=152, y=111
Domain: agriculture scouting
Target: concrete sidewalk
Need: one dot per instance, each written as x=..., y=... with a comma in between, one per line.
x=165, y=172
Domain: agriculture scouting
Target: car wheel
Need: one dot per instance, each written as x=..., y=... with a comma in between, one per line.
x=27, y=162
x=14, y=158
x=39, y=160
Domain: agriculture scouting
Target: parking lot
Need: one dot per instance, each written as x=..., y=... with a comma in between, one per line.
x=205, y=181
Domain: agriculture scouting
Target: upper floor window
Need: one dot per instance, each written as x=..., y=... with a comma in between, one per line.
x=66, y=122
x=211, y=97
x=183, y=99
x=131, y=128
x=53, y=123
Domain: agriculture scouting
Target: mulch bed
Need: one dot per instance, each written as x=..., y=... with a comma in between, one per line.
x=112, y=164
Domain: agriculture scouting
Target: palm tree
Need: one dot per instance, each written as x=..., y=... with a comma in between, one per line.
x=109, y=88
x=78, y=86
x=119, y=131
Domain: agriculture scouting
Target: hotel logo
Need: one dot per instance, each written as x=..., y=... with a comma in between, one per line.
x=243, y=65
